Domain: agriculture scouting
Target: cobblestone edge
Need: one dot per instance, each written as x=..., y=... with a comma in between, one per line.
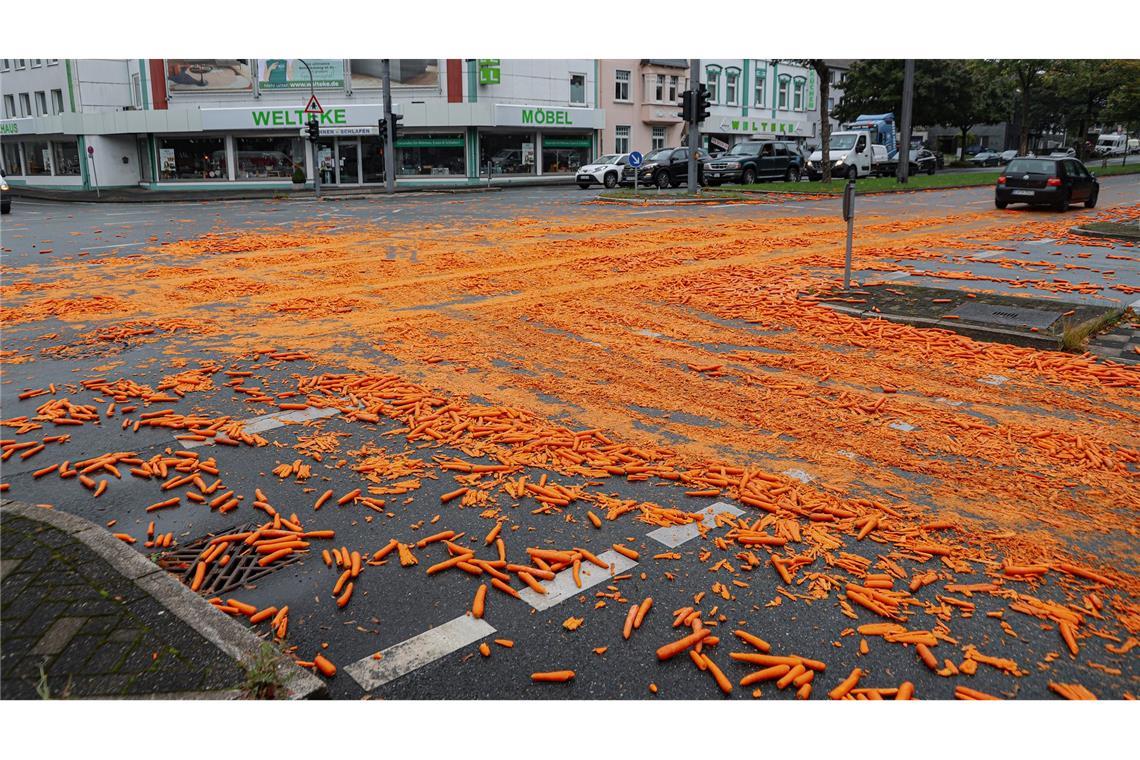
x=216, y=627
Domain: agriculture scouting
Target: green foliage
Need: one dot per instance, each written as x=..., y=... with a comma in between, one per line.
x=262, y=679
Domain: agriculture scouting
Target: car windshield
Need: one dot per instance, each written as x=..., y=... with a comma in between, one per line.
x=1030, y=166
x=659, y=155
x=608, y=159
x=843, y=142
x=745, y=149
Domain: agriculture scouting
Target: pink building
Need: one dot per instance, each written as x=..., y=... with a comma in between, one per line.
x=640, y=99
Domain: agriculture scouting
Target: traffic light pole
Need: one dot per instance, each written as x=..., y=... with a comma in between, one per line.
x=694, y=125
x=389, y=138
x=316, y=168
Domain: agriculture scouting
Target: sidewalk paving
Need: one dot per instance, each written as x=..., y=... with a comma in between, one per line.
x=1120, y=344
x=83, y=615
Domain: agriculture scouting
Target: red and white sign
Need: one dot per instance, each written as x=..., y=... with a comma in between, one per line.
x=314, y=106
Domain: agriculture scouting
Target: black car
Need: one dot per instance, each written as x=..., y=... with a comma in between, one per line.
x=5, y=197
x=666, y=167
x=752, y=160
x=1056, y=182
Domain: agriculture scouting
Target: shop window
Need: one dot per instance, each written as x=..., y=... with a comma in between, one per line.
x=57, y=101
x=25, y=104
x=577, y=89
x=372, y=158
x=658, y=139
x=782, y=93
x=37, y=157
x=672, y=90
x=65, y=158
x=198, y=158
x=507, y=154
x=731, y=77
x=798, y=94
x=9, y=107
x=41, y=103
x=621, y=139
x=432, y=155
x=712, y=80
x=268, y=157
x=621, y=85
x=12, y=158
x=563, y=155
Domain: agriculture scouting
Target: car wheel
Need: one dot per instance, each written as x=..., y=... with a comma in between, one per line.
x=585, y=185
x=610, y=180
x=1063, y=201
x=748, y=177
x=852, y=173
x=792, y=174
x=1090, y=203
x=1000, y=204
x=661, y=179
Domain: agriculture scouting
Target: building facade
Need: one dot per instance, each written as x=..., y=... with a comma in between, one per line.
x=640, y=99
x=755, y=98
x=202, y=123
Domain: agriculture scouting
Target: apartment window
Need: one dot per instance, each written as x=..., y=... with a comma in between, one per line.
x=9, y=107
x=136, y=91
x=57, y=101
x=731, y=77
x=37, y=62
x=621, y=139
x=658, y=141
x=782, y=93
x=41, y=103
x=20, y=62
x=621, y=85
x=672, y=90
x=758, y=89
x=830, y=105
x=659, y=90
x=798, y=94
x=52, y=61
x=712, y=79
x=25, y=104
x=578, y=89
x=5, y=64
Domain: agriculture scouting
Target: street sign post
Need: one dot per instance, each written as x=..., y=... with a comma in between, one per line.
x=91, y=158
x=635, y=162
x=849, y=217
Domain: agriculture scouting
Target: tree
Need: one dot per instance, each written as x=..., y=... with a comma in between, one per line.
x=1027, y=75
x=823, y=71
x=1081, y=90
x=875, y=86
x=1123, y=105
x=972, y=95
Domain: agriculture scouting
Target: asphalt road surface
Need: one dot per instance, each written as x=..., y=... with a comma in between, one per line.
x=74, y=254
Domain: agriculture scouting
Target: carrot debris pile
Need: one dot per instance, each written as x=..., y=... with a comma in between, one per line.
x=904, y=532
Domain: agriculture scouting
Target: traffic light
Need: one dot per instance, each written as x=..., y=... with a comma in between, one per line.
x=314, y=128
x=703, y=98
x=396, y=118
x=383, y=128
x=686, y=105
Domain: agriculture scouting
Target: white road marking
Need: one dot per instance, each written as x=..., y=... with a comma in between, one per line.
x=271, y=421
x=563, y=586
x=905, y=427
x=994, y=379
x=116, y=245
x=676, y=535
x=653, y=211
x=799, y=475
x=403, y=658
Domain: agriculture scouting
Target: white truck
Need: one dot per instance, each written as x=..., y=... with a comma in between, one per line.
x=852, y=155
x=1111, y=145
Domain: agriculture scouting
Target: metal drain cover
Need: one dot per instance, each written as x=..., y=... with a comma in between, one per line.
x=1009, y=316
x=240, y=569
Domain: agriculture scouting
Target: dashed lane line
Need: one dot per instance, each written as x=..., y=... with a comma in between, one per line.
x=563, y=586
x=271, y=421
x=414, y=653
x=675, y=535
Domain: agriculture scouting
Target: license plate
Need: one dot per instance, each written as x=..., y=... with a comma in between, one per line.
x=585, y=177
x=1022, y=192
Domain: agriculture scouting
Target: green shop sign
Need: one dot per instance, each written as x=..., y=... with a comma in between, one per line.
x=9, y=128
x=567, y=142
x=811, y=91
x=489, y=71
x=546, y=116
x=430, y=142
x=751, y=126
x=290, y=117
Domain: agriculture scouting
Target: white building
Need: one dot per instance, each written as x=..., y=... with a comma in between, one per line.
x=759, y=98
x=203, y=123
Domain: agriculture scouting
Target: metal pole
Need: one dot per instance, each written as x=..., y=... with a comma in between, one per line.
x=389, y=138
x=316, y=147
x=849, y=215
x=95, y=174
x=694, y=127
x=907, y=102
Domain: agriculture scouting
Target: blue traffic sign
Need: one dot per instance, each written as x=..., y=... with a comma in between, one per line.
x=635, y=159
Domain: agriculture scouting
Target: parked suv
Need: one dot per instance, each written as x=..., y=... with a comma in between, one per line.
x=752, y=160
x=666, y=167
x=1055, y=182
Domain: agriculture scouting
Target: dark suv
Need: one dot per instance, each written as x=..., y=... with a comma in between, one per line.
x=666, y=167
x=1055, y=182
x=751, y=160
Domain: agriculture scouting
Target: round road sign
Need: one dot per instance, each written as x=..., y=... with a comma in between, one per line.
x=635, y=159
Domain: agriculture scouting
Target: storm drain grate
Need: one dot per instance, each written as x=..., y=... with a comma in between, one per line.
x=239, y=570
x=1008, y=316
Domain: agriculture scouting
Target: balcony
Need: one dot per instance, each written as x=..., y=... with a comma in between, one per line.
x=660, y=113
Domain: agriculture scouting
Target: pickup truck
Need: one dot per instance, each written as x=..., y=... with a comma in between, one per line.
x=852, y=155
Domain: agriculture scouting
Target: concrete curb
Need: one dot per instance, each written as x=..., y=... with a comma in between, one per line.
x=673, y=202
x=814, y=195
x=1099, y=234
x=1016, y=337
x=216, y=627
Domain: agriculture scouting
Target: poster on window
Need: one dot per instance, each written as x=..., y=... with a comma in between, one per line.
x=166, y=162
x=292, y=74
x=368, y=73
x=208, y=74
x=527, y=153
x=47, y=159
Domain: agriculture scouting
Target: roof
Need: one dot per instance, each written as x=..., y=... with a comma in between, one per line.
x=673, y=63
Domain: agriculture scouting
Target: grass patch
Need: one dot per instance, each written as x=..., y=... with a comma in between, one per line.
x=880, y=184
x=1108, y=171
x=1076, y=338
x=262, y=679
